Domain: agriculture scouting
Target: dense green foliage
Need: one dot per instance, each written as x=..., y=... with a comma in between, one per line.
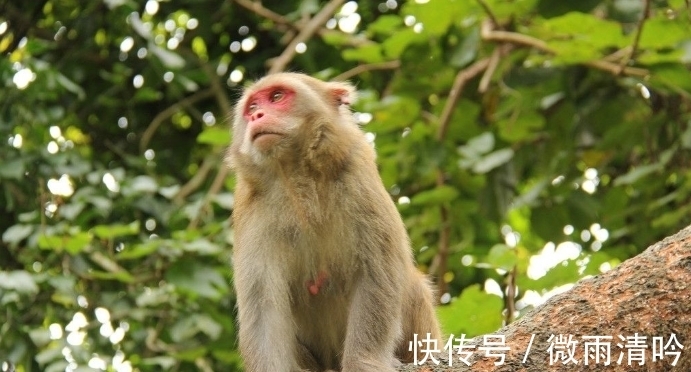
x=573, y=125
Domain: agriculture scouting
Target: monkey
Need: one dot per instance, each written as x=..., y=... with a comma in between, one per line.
x=323, y=270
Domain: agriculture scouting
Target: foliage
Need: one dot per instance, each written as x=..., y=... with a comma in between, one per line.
x=530, y=141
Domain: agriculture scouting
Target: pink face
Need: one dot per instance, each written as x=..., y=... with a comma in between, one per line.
x=264, y=111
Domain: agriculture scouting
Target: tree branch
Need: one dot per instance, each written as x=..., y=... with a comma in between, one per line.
x=458, y=84
x=389, y=65
x=637, y=37
x=168, y=112
x=488, y=33
x=280, y=63
x=647, y=295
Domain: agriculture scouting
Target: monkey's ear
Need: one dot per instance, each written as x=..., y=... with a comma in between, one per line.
x=342, y=93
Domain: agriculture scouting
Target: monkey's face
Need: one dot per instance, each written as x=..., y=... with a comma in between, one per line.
x=278, y=118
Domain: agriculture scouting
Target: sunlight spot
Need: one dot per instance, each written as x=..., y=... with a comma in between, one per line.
x=418, y=28
x=550, y=256
x=348, y=8
x=150, y=224
x=17, y=141
x=117, y=336
x=151, y=7
x=149, y=154
x=55, y=131
x=55, y=330
x=409, y=20
x=53, y=147
x=138, y=81
x=568, y=230
x=585, y=235
x=82, y=301
x=370, y=137
x=23, y=78
x=192, y=23
x=331, y=23
x=391, y=4
x=235, y=46
x=404, y=200
x=110, y=182
x=467, y=260
x=301, y=48
x=248, y=43
x=645, y=93
x=172, y=43
x=168, y=76
x=348, y=24
x=605, y=267
x=122, y=122
x=236, y=76
x=61, y=187
x=106, y=330
x=102, y=314
x=97, y=363
x=492, y=287
x=170, y=25
x=3, y=27
x=126, y=44
x=208, y=118
x=445, y=298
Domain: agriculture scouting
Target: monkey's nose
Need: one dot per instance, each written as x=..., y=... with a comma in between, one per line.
x=257, y=115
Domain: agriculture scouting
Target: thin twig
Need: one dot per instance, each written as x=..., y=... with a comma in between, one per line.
x=280, y=63
x=196, y=181
x=444, y=242
x=168, y=112
x=637, y=36
x=459, y=82
x=515, y=38
x=389, y=65
x=260, y=10
x=487, y=76
x=510, y=295
x=489, y=12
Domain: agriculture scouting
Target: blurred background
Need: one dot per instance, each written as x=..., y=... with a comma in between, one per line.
x=527, y=143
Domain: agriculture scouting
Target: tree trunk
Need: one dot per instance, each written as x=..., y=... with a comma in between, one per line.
x=648, y=296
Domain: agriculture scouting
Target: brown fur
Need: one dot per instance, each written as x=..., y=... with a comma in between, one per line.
x=313, y=207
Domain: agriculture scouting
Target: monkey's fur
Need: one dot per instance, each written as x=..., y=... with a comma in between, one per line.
x=323, y=270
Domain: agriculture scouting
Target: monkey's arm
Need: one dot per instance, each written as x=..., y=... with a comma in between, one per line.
x=267, y=332
x=376, y=311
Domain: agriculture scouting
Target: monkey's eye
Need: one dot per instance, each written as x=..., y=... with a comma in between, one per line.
x=277, y=95
x=252, y=107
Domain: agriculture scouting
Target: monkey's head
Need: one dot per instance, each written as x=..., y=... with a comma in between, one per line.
x=291, y=119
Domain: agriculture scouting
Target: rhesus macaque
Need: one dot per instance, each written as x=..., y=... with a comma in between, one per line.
x=324, y=275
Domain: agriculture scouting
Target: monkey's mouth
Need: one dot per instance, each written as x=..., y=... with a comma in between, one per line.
x=260, y=134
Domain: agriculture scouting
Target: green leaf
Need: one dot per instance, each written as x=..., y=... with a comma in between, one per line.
x=440, y=195
x=385, y=24
x=18, y=280
x=197, y=279
x=474, y=312
x=501, y=256
x=521, y=128
x=16, y=233
x=214, y=136
x=13, y=169
x=493, y=160
x=113, y=231
x=398, y=42
x=663, y=32
x=147, y=94
x=586, y=29
x=637, y=173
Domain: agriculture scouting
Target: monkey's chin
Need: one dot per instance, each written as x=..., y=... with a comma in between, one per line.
x=265, y=141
